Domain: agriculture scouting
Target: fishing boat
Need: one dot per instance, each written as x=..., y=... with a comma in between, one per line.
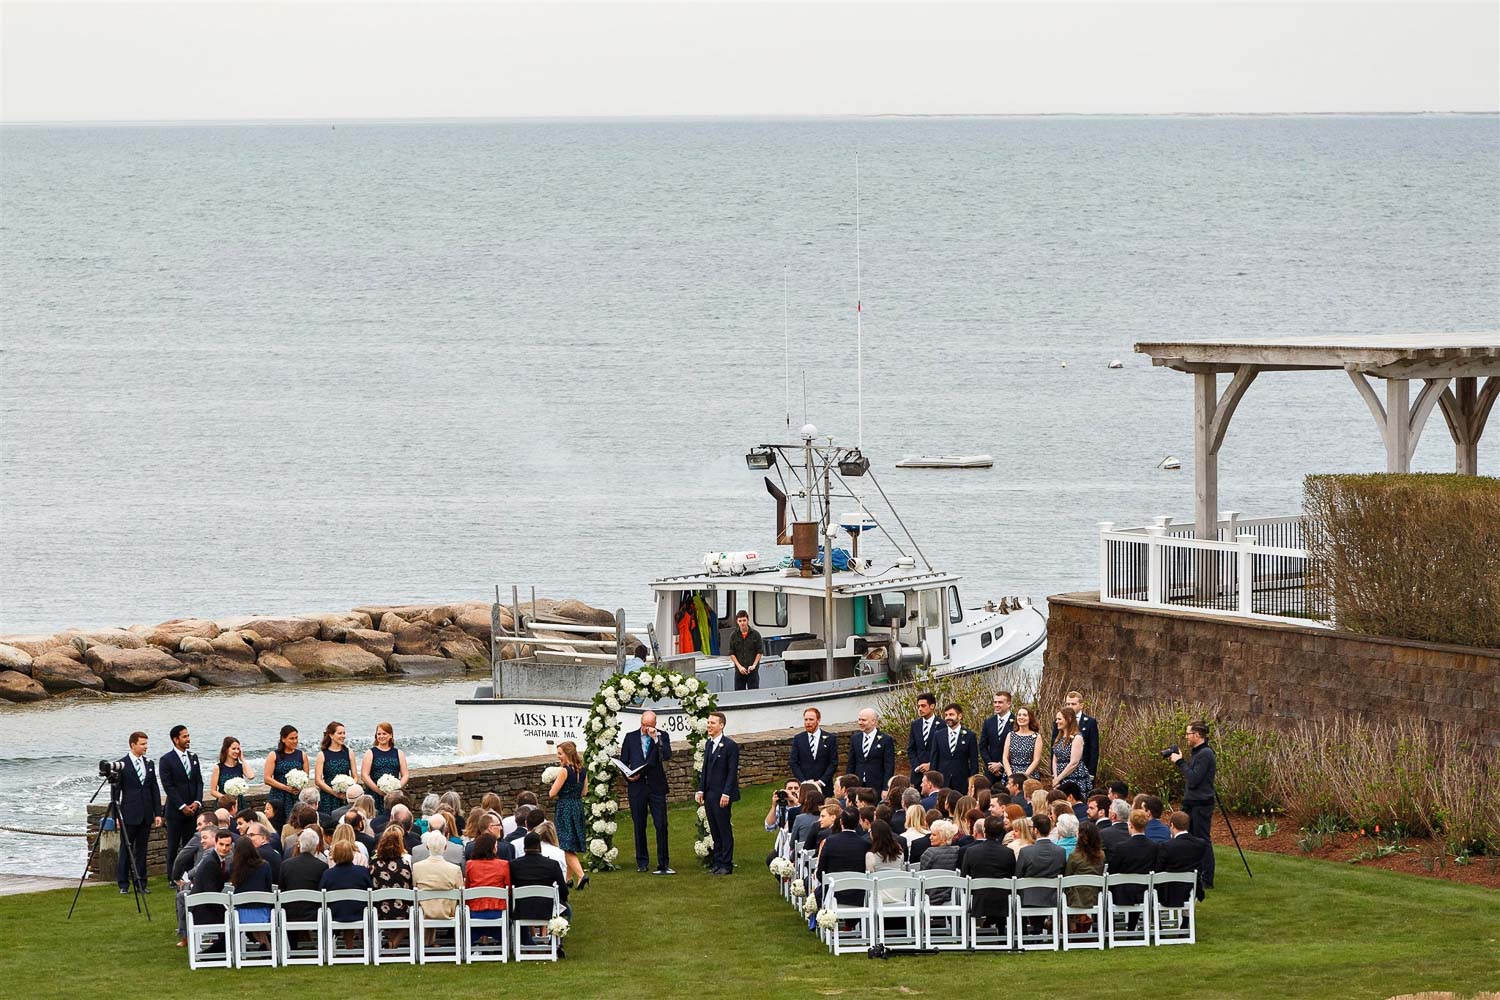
x=853, y=608
x=946, y=462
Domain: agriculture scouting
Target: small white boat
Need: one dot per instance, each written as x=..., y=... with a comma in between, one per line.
x=946, y=462
x=1117, y=363
x=1170, y=462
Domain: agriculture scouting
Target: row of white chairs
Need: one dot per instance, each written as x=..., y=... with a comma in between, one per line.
x=324, y=940
x=931, y=911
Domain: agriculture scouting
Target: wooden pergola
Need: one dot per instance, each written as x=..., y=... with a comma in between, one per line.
x=1449, y=366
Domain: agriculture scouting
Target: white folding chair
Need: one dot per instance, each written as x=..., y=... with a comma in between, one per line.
x=497, y=926
x=436, y=952
x=945, y=926
x=199, y=930
x=861, y=915
x=1094, y=936
x=380, y=926
x=309, y=932
x=333, y=929
x=1118, y=914
x=543, y=949
x=992, y=938
x=244, y=958
x=1043, y=914
x=904, y=910
x=1174, y=924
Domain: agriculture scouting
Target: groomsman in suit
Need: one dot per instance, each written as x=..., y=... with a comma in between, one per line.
x=718, y=790
x=1088, y=728
x=872, y=754
x=815, y=754
x=140, y=810
x=955, y=750
x=919, y=740
x=992, y=737
x=182, y=781
x=647, y=790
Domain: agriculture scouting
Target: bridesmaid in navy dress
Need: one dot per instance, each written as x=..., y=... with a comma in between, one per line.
x=335, y=759
x=380, y=760
x=231, y=765
x=284, y=759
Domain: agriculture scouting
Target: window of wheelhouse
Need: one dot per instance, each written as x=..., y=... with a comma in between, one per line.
x=955, y=609
x=932, y=608
x=768, y=608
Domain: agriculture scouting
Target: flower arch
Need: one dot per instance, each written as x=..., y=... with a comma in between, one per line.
x=602, y=732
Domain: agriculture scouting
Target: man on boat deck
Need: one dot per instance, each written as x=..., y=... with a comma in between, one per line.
x=745, y=651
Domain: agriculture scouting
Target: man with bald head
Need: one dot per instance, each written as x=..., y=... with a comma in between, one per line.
x=645, y=752
x=872, y=754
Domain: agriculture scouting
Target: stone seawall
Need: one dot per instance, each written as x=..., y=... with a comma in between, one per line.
x=372, y=641
x=1267, y=671
x=763, y=759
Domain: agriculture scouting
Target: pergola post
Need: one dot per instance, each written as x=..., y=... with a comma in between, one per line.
x=1205, y=455
x=1466, y=408
x=1397, y=431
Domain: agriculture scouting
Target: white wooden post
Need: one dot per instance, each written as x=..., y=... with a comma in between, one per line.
x=1154, y=535
x=1229, y=521
x=1246, y=572
x=1105, y=527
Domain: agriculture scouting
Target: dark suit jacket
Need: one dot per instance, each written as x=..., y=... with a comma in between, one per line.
x=536, y=869
x=1157, y=831
x=1044, y=859
x=992, y=739
x=186, y=860
x=1135, y=856
x=918, y=848
x=930, y=801
x=1183, y=853
x=1088, y=728
x=272, y=857
x=346, y=876
x=822, y=767
x=653, y=780
x=208, y=876
x=180, y=787
x=989, y=859
x=876, y=770
x=844, y=852
x=961, y=763
x=1113, y=836
x=918, y=750
x=139, y=803
x=721, y=771
x=305, y=871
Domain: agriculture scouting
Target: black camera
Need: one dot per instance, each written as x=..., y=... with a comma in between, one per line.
x=110, y=770
x=781, y=796
x=1169, y=751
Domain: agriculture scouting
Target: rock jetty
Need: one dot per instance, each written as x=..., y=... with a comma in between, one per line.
x=372, y=641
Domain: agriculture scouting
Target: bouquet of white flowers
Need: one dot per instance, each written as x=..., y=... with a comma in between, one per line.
x=781, y=868
x=826, y=919
x=558, y=926
x=297, y=778
x=810, y=905
x=550, y=774
x=799, y=888
x=388, y=783
x=702, y=847
x=236, y=786
x=341, y=783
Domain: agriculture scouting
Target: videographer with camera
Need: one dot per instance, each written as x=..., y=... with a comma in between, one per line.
x=786, y=804
x=133, y=784
x=1198, y=772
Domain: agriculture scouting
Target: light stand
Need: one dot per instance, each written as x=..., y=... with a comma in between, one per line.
x=113, y=812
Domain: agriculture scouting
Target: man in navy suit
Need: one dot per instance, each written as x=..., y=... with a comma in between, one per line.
x=648, y=749
x=1088, y=728
x=718, y=790
x=182, y=781
x=992, y=737
x=815, y=754
x=955, y=750
x=140, y=809
x=872, y=754
x=919, y=738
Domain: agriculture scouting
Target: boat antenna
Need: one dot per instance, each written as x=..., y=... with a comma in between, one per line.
x=859, y=320
x=786, y=349
x=804, y=399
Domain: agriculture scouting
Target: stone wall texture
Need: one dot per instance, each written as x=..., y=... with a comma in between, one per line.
x=1266, y=671
x=763, y=759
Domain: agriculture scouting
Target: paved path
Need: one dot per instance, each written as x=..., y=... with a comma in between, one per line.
x=15, y=885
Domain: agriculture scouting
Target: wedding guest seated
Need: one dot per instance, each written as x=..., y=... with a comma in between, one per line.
x=932, y=783
x=1118, y=831
x=1010, y=815
x=260, y=835
x=1117, y=790
x=971, y=829
x=351, y=796
x=781, y=813
x=828, y=824
x=922, y=843
x=1156, y=831
x=303, y=870
x=485, y=869
x=454, y=853
x=182, y=871
x=1022, y=835
x=844, y=786
x=941, y=855
x=430, y=806
x=514, y=828
x=345, y=874
x=1183, y=853
x=551, y=848
x=1087, y=858
x=478, y=826
x=990, y=858
x=1065, y=833
x=248, y=872
x=1039, y=804
x=1040, y=859
x=806, y=819
x=844, y=851
x=1097, y=810
x=491, y=802
x=523, y=810
x=978, y=783
x=391, y=869
x=915, y=826
x=356, y=820
x=344, y=834
x=885, y=853
x=1135, y=856
x=867, y=797
x=1074, y=794
x=451, y=802
x=865, y=818
x=382, y=817
x=436, y=872
x=401, y=816
x=1015, y=788
x=533, y=868
x=210, y=875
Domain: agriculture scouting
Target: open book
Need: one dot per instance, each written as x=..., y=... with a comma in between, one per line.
x=626, y=769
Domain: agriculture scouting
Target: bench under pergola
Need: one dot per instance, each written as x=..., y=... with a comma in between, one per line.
x=1458, y=372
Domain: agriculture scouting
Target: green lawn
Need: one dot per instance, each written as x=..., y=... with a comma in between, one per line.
x=1300, y=928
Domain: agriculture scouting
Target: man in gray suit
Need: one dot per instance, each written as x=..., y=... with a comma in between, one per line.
x=1043, y=859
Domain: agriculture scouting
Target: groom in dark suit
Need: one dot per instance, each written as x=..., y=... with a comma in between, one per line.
x=718, y=790
x=815, y=754
x=647, y=750
x=182, y=779
x=140, y=810
x=992, y=735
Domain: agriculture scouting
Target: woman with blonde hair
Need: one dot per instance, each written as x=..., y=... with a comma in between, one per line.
x=1039, y=805
x=1013, y=813
x=1022, y=834
x=567, y=789
x=344, y=834
x=916, y=823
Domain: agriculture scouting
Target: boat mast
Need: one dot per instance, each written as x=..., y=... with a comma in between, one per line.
x=827, y=529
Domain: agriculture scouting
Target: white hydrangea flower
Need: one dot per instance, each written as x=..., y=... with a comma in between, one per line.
x=826, y=919
x=701, y=848
x=594, y=724
x=698, y=760
x=597, y=847
x=679, y=690
x=627, y=686
x=611, y=807
x=810, y=905
x=612, y=704
x=600, y=826
x=611, y=855
x=703, y=814
x=601, y=790
x=612, y=828
x=692, y=684
x=700, y=725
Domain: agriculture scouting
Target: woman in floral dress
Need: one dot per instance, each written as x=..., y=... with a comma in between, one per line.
x=567, y=789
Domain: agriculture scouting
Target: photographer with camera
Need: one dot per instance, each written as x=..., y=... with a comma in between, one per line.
x=1198, y=772
x=133, y=785
x=786, y=804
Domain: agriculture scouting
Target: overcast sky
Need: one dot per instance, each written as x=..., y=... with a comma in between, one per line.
x=71, y=61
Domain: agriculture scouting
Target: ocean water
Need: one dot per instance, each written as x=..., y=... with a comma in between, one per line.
x=297, y=367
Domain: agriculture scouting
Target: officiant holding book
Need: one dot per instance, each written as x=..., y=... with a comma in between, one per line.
x=644, y=753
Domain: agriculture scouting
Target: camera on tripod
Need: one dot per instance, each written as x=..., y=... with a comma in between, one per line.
x=1169, y=751
x=110, y=770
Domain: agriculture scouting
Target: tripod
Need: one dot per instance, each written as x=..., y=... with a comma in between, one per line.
x=1234, y=835
x=112, y=813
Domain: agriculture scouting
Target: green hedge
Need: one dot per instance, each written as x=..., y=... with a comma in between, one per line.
x=1407, y=556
